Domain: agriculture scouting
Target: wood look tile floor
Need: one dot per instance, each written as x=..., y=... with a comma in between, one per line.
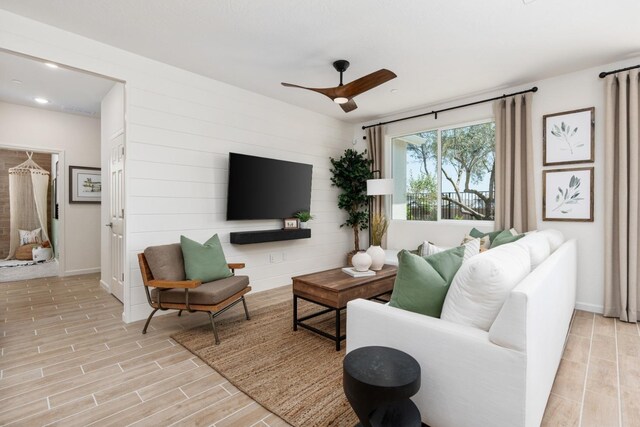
x=67, y=359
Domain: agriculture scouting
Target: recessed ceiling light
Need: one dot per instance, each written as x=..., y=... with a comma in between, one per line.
x=41, y=100
x=16, y=81
x=50, y=65
x=394, y=90
x=527, y=1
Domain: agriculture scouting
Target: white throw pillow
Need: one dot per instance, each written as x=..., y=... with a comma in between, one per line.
x=555, y=238
x=471, y=248
x=27, y=237
x=538, y=246
x=482, y=285
x=485, y=242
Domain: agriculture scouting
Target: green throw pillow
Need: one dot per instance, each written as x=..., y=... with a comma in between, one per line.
x=422, y=283
x=479, y=234
x=204, y=262
x=505, y=237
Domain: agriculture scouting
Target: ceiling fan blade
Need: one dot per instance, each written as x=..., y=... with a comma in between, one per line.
x=365, y=83
x=329, y=92
x=349, y=106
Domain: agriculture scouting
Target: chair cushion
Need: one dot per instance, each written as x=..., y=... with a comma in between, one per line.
x=166, y=262
x=210, y=293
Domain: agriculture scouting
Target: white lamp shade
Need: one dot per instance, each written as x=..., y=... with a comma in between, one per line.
x=379, y=187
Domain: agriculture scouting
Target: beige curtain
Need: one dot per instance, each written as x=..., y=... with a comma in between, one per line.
x=622, y=195
x=514, y=185
x=375, y=137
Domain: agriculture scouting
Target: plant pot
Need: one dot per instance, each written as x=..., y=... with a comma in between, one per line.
x=304, y=224
x=361, y=261
x=377, y=257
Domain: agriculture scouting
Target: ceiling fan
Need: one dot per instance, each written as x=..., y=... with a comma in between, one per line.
x=343, y=94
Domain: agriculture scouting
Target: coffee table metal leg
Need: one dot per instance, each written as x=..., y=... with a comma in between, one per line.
x=337, y=330
x=295, y=313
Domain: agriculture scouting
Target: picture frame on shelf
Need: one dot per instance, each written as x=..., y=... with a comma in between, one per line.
x=568, y=137
x=85, y=184
x=567, y=194
x=291, y=224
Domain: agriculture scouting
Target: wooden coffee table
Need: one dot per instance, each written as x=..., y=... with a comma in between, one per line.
x=333, y=289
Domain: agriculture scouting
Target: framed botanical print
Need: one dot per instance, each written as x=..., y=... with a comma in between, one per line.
x=568, y=137
x=567, y=194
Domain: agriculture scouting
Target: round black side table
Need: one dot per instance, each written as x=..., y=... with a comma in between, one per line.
x=378, y=382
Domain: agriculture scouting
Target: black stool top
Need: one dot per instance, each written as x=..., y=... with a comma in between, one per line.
x=382, y=367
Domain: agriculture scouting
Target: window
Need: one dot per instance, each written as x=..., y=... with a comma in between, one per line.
x=445, y=174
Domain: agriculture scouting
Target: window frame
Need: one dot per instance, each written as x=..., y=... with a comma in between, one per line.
x=439, y=130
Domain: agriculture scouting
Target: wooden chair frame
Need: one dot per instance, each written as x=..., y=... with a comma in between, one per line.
x=164, y=285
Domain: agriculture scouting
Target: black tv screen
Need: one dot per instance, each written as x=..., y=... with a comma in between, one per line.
x=261, y=188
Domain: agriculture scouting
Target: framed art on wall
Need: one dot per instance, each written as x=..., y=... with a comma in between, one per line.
x=85, y=185
x=568, y=137
x=567, y=194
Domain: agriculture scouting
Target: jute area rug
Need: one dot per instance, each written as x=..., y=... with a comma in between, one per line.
x=295, y=375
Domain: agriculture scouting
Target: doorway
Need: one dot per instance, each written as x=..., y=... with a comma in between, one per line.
x=77, y=117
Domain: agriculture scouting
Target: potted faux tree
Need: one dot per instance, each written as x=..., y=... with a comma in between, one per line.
x=350, y=174
x=304, y=217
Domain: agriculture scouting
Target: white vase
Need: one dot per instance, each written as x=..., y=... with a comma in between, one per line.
x=361, y=261
x=304, y=224
x=377, y=257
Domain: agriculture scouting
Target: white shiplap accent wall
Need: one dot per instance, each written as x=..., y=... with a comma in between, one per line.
x=180, y=128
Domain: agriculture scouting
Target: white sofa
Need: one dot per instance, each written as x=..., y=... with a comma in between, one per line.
x=471, y=377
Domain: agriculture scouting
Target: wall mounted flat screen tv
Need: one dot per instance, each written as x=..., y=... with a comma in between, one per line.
x=261, y=188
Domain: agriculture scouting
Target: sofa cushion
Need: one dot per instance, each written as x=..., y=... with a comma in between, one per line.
x=481, y=285
x=210, y=293
x=505, y=236
x=485, y=242
x=471, y=248
x=555, y=238
x=538, y=247
x=166, y=262
x=479, y=234
x=422, y=282
x=30, y=236
x=204, y=262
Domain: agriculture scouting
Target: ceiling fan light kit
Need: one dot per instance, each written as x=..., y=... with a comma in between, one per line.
x=343, y=94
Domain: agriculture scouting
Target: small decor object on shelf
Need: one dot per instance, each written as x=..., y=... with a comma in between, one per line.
x=567, y=195
x=291, y=224
x=304, y=217
x=355, y=273
x=361, y=261
x=568, y=137
x=379, y=225
x=85, y=185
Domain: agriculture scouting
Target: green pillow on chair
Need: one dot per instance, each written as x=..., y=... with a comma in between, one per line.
x=422, y=283
x=204, y=262
x=504, y=237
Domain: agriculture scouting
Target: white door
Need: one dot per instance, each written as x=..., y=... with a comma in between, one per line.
x=116, y=214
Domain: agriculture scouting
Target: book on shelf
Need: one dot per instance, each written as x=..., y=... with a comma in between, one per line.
x=355, y=273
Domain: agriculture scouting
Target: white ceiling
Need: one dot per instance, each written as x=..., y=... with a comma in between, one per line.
x=68, y=91
x=440, y=49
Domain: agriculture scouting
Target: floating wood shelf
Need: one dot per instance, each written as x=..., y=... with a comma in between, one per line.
x=262, y=236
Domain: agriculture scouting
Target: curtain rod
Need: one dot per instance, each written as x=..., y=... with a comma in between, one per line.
x=606, y=73
x=435, y=113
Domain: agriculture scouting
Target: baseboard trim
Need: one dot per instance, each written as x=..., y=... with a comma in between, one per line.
x=105, y=286
x=82, y=271
x=141, y=312
x=592, y=308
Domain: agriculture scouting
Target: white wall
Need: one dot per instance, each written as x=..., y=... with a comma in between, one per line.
x=79, y=138
x=567, y=92
x=180, y=128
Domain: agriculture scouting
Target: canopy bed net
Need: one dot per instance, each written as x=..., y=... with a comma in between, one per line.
x=28, y=188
